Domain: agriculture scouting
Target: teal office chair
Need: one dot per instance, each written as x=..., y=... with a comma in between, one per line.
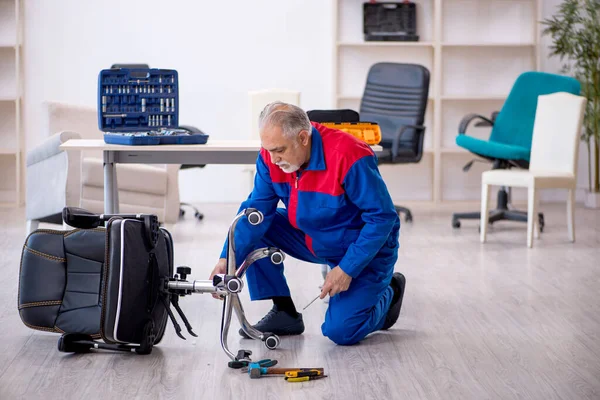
x=509, y=144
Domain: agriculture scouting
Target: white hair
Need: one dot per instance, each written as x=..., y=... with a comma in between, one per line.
x=290, y=118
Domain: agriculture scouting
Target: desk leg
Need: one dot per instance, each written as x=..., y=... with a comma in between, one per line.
x=115, y=190
x=109, y=183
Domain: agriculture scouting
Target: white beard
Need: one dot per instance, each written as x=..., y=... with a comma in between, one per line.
x=287, y=168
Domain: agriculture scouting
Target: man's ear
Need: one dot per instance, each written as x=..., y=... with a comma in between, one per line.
x=303, y=137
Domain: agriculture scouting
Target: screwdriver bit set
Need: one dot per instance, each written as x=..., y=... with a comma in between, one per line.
x=141, y=106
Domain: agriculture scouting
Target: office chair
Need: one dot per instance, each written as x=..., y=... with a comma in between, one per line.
x=395, y=97
x=509, y=145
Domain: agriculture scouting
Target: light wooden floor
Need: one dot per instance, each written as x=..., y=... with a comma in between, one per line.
x=494, y=321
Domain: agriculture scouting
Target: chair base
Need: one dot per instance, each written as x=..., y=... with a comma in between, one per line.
x=197, y=213
x=400, y=209
x=501, y=213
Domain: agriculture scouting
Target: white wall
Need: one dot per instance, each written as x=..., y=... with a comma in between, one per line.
x=222, y=50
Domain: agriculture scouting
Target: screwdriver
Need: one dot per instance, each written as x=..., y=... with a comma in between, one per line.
x=302, y=373
x=305, y=378
x=313, y=300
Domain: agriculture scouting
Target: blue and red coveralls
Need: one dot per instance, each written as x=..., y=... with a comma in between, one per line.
x=339, y=212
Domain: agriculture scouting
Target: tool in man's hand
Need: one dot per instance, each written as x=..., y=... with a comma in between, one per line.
x=319, y=295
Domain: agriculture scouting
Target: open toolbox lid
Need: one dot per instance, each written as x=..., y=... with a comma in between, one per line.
x=141, y=106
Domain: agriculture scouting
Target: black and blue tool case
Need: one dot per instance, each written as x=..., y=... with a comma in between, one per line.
x=141, y=107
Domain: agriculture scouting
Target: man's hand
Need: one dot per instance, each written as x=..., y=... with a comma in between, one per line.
x=220, y=268
x=336, y=281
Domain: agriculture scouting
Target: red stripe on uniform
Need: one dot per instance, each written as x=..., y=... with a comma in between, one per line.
x=277, y=175
x=309, y=244
x=293, y=203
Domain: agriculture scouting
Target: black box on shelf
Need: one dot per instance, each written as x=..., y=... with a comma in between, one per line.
x=390, y=21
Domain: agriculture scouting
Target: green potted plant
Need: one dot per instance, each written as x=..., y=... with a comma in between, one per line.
x=575, y=32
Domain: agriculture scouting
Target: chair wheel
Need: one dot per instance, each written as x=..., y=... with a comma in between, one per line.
x=181, y=212
x=408, y=218
x=455, y=223
x=199, y=216
x=272, y=342
x=541, y=222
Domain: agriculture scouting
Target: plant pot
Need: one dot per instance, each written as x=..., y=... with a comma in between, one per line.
x=592, y=200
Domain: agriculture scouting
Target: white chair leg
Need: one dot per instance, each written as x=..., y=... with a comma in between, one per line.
x=531, y=214
x=571, y=214
x=32, y=225
x=485, y=197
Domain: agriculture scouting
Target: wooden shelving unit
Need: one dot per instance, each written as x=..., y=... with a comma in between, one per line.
x=10, y=103
x=474, y=50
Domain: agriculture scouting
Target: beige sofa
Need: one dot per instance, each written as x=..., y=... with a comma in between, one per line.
x=56, y=178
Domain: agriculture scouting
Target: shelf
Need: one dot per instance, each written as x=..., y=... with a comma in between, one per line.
x=459, y=97
x=488, y=44
x=358, y=98
x=454, y=150
x=474, y=50
x=8, y=151
x=386, y=44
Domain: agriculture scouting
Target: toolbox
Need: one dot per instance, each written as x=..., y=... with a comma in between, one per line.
x=390, y=21
x=141, y=107
x=368, y=132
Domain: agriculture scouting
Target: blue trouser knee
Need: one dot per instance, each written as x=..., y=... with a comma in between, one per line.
x=352, y=314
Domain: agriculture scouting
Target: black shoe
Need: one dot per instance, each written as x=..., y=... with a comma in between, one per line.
x=278, y=322
x=398, y=283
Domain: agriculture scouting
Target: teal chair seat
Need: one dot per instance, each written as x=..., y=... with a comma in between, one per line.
x=493, y=150
x=509, y=144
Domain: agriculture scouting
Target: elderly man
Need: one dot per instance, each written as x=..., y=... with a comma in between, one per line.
x=337, y=211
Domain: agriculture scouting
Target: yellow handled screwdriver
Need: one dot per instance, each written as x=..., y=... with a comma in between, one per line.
x=300, y=373
x=305, y=378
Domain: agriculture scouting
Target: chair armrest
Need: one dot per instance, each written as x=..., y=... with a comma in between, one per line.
x=467, y=119
x=49, y=147
x=420, y=129
x=485, y=123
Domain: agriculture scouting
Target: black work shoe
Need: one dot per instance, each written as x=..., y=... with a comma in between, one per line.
x=398, y=283
x=278, y=322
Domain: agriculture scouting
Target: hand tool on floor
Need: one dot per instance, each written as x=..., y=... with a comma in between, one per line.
x=256, y=371
x=262, y=363
x=305, y=378
x=302, y=373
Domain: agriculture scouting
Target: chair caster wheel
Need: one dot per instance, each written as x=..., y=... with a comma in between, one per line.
x=272, y=342
x=199, y=216
x=408, y=218
x=181, y=213
x=455, y=223
x=541, y=222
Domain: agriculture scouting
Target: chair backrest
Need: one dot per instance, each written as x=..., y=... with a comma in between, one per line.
x=396, y=95
x=514, y=123
x=71, y=117
x=259, y=100
x=556, y=133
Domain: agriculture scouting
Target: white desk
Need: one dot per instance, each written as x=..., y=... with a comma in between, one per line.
x=213, y=152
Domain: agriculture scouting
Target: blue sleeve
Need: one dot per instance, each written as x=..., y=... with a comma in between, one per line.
x=365, y=188
x=264, y=199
